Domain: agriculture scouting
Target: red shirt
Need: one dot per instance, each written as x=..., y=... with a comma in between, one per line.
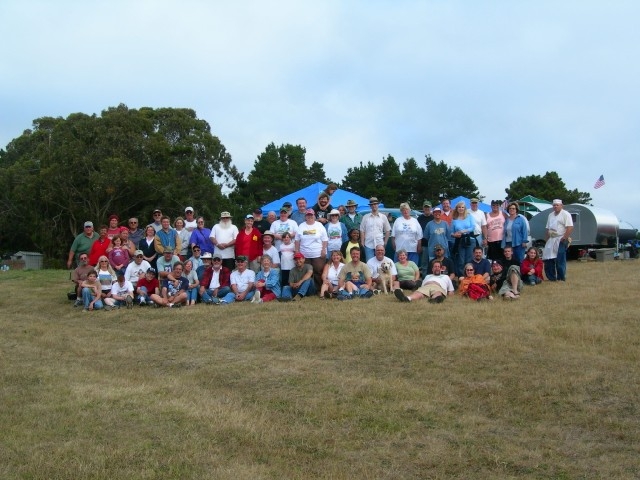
x=150, y=284
x=249, y=244
x=98, y=248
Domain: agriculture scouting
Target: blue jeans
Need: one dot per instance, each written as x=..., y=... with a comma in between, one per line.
x=207, y=296
x=87, y=298
x=306, y=288
x=144, y=295
x=192, y=294
x=556, y=268
x=231, y=297
x=463, y=256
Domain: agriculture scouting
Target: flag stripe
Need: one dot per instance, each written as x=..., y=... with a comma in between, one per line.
x=599, y=183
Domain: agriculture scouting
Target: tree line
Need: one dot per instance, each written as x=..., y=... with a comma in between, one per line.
x=64, y=171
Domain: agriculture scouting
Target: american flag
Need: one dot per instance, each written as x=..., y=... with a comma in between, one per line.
x=600, y=182
x=505, y=204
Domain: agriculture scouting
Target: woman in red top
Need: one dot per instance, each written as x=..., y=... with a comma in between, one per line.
x=531, y=267
x=249, y=243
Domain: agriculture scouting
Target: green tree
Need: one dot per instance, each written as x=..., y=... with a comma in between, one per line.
x=548, y=187
x=276, y=172
x=125, y=161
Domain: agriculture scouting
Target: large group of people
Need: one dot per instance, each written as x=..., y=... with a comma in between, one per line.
x=332, y=253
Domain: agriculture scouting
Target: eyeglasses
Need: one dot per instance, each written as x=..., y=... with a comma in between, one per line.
x=88, y=226
x=468, y=270
x=133, y=223
x=218, y=260
x=200, y=221
x=139, y=256
x=157, y=214
x=104, y=261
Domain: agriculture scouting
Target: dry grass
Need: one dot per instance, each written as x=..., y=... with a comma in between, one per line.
x=546, y=387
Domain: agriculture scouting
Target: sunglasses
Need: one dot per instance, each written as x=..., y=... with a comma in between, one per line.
x=469, y=270
x=139, y=256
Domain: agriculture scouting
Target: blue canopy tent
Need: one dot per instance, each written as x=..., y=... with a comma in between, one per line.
x=311, y=193
x=483, y=207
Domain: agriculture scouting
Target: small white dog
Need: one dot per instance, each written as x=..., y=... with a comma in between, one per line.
x=384, y=276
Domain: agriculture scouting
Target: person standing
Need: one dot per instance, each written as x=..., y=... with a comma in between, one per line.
x=374, y=229
x=351, y=219
x=223, y=237
x=406, y=234
x=201, y=237
x=82, y=243
x=322, y=208
x=481, y=223
x=259, y=222
x=558, y=230
x=135, y=232
x=167, y=238
x=190, y=222
x=311, y=240
x=249, y=244
x=299, y=216
x=516, y=232
x=495, y=231
x=282, y=226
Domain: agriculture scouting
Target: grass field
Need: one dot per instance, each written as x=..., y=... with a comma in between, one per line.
x=545, y=387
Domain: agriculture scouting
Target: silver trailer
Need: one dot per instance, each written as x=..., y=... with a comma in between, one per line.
x=592, y=227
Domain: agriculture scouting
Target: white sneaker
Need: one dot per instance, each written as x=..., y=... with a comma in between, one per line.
x=256, y=298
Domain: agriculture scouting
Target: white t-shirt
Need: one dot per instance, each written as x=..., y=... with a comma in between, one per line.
x=275, y=256
x=443, y=280
x=224, y=235
x=374, y=264
x=311, y=238
x=407, y=233
x=122, y=290
x=481, y=220
x=557, y=224
x=333, y=273
x=279, y=227
x=133, y=271
x=286, y=256
x=242, y=280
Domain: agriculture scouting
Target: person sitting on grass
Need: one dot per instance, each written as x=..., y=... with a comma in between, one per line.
x=473, y=285
x=106, y=276
x=136, y=269
x=267, y=282
x=408, y=272
x=355, y=278
x=90, y=288
x=173, y=292
x=374, y=264
x=191, y=275
x=531, y=267
x=80, y=274
x=330, y=275
x=121, y=293
x=300, y=280
x=243, y=281
x=506, y=282
x=216, y=280
x=147, y=285
x=435, y=287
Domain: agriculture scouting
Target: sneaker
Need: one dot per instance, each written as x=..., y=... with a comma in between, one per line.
x=77, y=303
x=129, y=301
x=439, y=299
x=108, y=308
x=284, y=299
x=215, y=301
x=153, y=304
x=176, y=305
x=400, y=295
x=256, y=297
x=327, y=295
x=377, y=292
x=297, y=298
x=142, y=302
x=344, y=296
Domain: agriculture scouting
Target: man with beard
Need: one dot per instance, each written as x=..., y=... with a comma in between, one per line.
x=79, y=275
x=223, y=237
x=322, y=208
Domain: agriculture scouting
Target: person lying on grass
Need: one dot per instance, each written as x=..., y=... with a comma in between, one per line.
x=435, y=287
x=507, y=282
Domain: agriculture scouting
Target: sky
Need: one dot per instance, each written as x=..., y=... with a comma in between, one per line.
x=501, y=89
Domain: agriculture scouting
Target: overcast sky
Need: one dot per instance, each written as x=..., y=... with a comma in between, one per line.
x=500, y=89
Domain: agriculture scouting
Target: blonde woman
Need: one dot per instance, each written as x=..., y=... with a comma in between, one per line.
x=330, y=275
x=462, y=227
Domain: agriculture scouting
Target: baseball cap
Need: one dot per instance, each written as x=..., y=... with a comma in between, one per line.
x=298, y=255
x=188, y=209
x=242, y=258
x=138, y=252
x=151, y=270
x=88, y=224
x=310, y=211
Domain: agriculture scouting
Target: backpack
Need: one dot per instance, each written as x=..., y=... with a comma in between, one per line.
x=477, y=291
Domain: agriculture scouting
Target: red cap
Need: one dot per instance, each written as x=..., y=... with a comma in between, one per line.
x=298, y=255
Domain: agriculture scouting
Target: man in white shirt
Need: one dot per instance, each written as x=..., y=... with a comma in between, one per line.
x=554, y=255
x=374, y=229
x=243, y=282
x=223, y=236
x=480, y=231
x=376, y=262
x=436, y=287
x=137, y=268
